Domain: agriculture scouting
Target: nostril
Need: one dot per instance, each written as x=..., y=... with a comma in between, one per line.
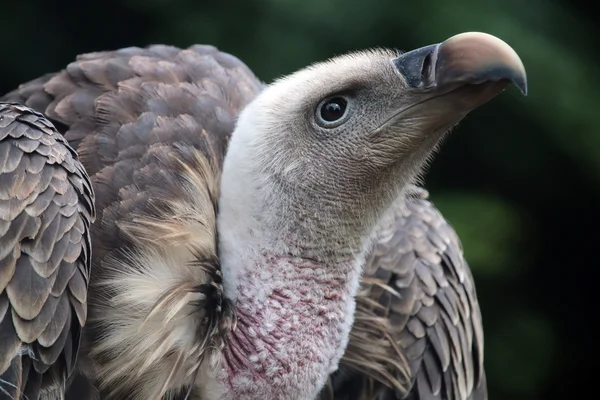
x=418, y=66
x=426, y=68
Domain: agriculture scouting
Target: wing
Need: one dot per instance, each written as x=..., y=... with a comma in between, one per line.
x=46, y=208
x=151, y=126
x=418, y=326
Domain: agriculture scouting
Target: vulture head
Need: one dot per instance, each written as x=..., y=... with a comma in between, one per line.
x=338, y=141
x=313, y=164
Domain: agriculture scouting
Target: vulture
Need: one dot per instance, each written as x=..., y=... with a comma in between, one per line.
x=173, y=228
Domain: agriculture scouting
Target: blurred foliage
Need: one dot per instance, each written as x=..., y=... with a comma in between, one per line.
x=518, y=179
x=491, y=251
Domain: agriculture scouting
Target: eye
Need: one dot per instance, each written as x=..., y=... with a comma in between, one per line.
x=331, y=111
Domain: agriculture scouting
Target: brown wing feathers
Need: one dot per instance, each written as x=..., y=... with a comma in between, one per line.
x=46, y=208
x=418, y=281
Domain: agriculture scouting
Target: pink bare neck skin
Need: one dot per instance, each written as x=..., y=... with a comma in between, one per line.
x=294, y=316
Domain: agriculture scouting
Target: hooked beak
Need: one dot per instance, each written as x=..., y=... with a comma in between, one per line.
x=467, y=59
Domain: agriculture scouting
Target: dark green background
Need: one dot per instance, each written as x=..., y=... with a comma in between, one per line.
x=518, y=179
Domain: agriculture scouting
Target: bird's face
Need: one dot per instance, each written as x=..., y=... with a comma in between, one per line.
x=348, y=125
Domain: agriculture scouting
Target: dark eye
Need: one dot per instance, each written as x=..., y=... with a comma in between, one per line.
x=332, y=111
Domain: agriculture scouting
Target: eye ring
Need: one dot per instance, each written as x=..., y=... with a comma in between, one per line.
x=333, y=111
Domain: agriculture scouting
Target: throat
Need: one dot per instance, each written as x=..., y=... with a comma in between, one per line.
x=292, y=276
x=294, y=318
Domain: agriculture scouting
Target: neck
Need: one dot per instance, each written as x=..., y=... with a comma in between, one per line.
x=294, y=302
x=294, y=318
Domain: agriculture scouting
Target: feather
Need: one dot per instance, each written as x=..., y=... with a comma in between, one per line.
x=49, y=195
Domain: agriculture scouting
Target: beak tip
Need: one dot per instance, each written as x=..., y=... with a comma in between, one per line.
x=513, y=76
x=486, y=55
x=522, y=86
x=521, y=82
x=518, y=78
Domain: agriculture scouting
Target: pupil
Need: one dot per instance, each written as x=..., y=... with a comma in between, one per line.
x=333, y=109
